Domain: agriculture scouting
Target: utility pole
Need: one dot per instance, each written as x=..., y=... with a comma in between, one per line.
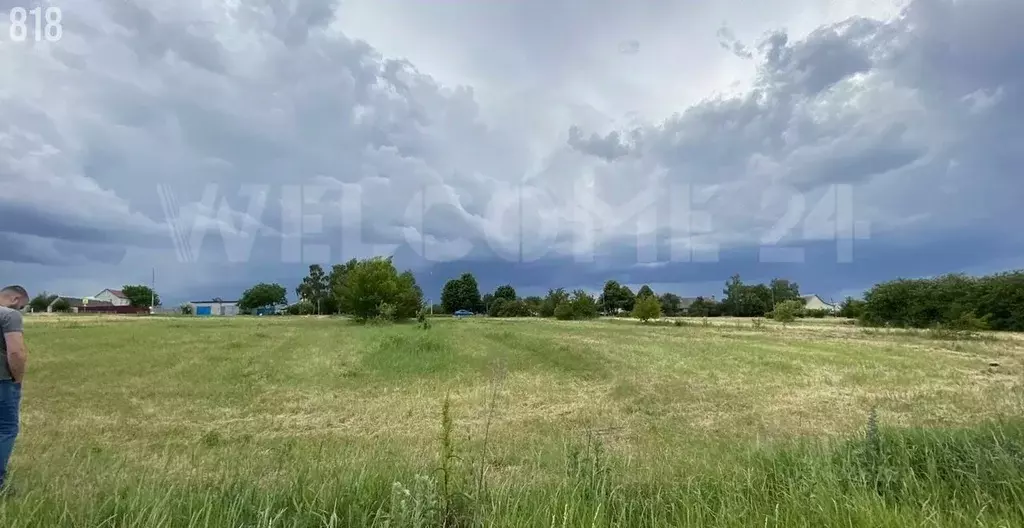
x=152, y=293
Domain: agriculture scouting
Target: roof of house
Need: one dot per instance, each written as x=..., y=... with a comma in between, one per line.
x=813, y=296
x=116, y=293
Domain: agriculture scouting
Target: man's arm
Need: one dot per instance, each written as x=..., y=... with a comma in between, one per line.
x=17, y=356
x=13, y=328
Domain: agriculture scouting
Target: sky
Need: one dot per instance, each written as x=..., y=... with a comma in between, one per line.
x=545, y=144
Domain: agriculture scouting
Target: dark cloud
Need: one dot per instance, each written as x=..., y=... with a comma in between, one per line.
x=916, y=117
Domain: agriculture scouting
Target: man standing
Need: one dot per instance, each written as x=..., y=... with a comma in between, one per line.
x=12, y=372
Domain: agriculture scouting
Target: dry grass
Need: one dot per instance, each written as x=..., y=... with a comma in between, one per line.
x=189, y=398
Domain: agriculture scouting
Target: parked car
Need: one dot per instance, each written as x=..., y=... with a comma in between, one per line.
x=463, y=313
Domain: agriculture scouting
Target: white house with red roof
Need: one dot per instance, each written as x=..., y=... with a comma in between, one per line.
x=114, y=297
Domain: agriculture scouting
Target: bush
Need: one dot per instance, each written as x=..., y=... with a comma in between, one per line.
x=564, y=311
x=817, y=314
x=584, y=306
x=497, y=307
x=61, y=305
x=851, y=308
x=925, y=303
x=787, y=311
x=301, y=308
x=552, y=301
x=646, y=308
x=386, y=312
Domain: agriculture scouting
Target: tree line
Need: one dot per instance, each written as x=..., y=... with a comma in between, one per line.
x=375, y=289
x=956, y=301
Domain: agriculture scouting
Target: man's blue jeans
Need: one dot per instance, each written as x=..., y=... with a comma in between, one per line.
x=10, y=402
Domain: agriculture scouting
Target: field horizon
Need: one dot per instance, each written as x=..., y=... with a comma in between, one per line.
x=315, y=421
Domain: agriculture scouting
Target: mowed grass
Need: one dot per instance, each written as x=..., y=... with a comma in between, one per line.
x=320, y=422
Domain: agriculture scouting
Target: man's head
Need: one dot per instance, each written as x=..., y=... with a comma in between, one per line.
x=15, y=297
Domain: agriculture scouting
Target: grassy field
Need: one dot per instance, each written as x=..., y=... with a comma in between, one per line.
x=318, y=422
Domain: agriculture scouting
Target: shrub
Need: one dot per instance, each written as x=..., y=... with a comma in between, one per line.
x=497, y=307
x=923, y=303
x=385, y=313
x=817, y=314
x=584, y=306
x=564, y=311
x=61, y=305
x=787, y=311
x=851, y=308
x=552, y=301
x=647, y=308
x=185, y=309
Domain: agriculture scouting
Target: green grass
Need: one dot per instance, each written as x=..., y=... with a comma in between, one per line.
x=319, y=422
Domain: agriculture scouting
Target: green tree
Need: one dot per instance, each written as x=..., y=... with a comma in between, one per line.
x=336, y=281
x=409, y=301
x=615, y=298
x=534, y=304
x=40, y=302
x=563, y=312
x=584, y=306
x=373, y=289
x=701, y=307
x=671, y=304
x=784, y=290
x=645, y=291
x=787, y=311
x=141, y=295
x=506, y=292
x=742, y=300
x=759, y=299
x=486, y=300
x=61, y=305
x=646, y=308
x=554, y=299
x=733, y=291
x=516, y=308
x=263, y=295
x=495, y=309
x=316, y=288
x=628, y=299
x=185, y=309
x=462, y=293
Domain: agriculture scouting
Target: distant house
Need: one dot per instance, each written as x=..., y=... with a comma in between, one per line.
x=114, y=297
x=813, y=302
x=214, y=307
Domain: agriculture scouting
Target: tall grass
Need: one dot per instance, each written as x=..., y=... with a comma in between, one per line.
x=888, y=477
x=257, y=423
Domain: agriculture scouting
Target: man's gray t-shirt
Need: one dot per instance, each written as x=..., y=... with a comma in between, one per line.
x=10, y=321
